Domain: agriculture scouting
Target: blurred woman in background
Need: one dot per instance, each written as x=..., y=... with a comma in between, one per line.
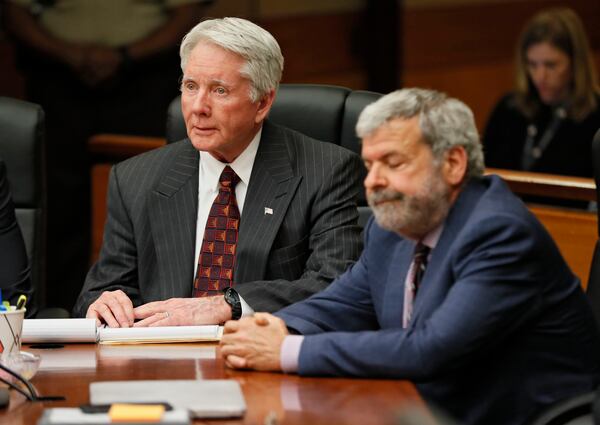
x=547, y=124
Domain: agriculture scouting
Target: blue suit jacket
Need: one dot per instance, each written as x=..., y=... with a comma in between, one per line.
x=500, y=326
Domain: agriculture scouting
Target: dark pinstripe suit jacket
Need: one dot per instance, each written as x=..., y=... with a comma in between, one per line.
x=311, y=237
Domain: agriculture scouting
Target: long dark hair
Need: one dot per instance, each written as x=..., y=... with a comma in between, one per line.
x=561, y=28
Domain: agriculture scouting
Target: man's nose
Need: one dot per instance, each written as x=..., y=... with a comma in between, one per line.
x=201, y=104
x=375, y=178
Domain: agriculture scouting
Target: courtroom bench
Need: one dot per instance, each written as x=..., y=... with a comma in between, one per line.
x=574, y=231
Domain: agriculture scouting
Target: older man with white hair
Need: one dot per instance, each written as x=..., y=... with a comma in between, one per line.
x=244, y=215
x=459, y=288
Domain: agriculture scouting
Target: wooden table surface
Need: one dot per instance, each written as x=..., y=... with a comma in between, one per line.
x=68, y=372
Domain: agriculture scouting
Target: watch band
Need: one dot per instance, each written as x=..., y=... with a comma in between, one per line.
x=233, y=299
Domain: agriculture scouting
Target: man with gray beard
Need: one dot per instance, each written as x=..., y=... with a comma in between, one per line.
x=459, y=288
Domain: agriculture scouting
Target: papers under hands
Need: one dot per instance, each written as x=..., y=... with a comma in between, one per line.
x=160, y=334
x=85, y=330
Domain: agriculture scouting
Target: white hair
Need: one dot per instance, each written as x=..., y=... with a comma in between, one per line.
x=264, y=61
x=445, y=122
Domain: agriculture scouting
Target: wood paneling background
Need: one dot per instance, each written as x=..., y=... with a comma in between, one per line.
x=319, y=48
x=462, y=48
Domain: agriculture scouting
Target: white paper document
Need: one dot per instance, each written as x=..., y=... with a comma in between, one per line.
x=211, y=398
x=85, y=330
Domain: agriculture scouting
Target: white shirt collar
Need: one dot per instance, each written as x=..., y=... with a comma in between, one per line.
x=212, y=168
x=431, y=239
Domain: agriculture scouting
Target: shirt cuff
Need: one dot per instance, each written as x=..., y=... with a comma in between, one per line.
x=290, y=353
x=246, y=309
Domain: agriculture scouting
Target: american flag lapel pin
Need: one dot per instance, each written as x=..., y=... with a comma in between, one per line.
x=268, y=211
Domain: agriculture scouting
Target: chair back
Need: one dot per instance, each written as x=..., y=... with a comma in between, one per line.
x=314, y=110
x=577, y=410
x=355, y=103
x=21, y=148
x=326, y=113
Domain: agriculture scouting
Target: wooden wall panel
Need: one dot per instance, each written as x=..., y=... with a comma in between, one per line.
x=319, y=48
x=478, y=85
x=478, y=32
x=575, y=234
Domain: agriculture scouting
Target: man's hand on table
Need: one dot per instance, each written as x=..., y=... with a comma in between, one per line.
x=113, y=308
x=183, y=312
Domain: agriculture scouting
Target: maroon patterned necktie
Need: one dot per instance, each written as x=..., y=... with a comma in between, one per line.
x=420, y=264
x=217, y=254
x=413, y=281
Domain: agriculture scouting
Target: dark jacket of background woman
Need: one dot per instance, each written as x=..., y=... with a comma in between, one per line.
x=568, y=153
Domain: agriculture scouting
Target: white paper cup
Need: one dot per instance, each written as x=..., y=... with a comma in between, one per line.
x=11, y=326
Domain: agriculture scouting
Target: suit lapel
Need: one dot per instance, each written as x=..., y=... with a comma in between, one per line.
x=272, y=187
x=173, y=216
x=432, y=290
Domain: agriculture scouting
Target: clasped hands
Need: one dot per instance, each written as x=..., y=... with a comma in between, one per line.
x=116, y=310
x=254, y=342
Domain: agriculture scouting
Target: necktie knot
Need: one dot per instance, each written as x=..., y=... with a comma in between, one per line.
x=421, y=251
x=228, y=179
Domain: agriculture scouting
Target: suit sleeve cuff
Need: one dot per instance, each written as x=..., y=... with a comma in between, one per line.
x=290, y=353
x=246, y=309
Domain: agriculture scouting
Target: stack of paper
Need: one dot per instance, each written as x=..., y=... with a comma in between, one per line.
x=159, y=334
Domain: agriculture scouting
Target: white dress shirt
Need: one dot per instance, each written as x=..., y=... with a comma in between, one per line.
x=208, y=188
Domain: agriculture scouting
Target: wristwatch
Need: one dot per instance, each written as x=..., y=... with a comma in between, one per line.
x=233, y=299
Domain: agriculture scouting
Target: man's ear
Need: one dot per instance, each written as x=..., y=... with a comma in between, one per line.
x=264, y=106
x=455, y=165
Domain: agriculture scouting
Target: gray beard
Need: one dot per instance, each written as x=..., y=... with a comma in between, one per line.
x=412, y=216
